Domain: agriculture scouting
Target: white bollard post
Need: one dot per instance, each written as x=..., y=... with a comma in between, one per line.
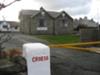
x=37, y=56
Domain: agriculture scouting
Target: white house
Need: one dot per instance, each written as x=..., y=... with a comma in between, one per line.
x=9, y=26
x=4, y=26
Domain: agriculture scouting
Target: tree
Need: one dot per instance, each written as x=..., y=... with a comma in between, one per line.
x=19, y=63
x=4, y=37
x=2, y=5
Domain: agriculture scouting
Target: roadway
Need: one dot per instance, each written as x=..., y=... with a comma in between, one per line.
x=63, y=61
x=73, y=62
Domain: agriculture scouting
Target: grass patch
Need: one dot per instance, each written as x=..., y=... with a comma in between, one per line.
x=60, y=39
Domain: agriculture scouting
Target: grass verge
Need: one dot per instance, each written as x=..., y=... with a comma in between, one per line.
x=59, y=39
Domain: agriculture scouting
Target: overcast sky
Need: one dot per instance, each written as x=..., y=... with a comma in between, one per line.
x=75, y=8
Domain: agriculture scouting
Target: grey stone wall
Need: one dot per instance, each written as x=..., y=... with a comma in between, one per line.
x=25, y=24
x=48, y=23
x=60, y=28
x=29, y=24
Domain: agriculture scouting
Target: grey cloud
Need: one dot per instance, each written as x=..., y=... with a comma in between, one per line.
x=75, y=6
x=79, y=10
x=58, y=4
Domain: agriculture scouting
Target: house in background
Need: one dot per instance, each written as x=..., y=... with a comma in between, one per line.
x=63, y=23
x=88, y=29
x=45, y=22
x=4, y=26
x=9, y=26
x=85, y=23
x=14, y=26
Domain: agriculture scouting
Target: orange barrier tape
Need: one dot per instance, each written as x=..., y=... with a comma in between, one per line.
x=75, y=46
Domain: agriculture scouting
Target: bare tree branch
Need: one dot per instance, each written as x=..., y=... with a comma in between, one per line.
x=3, y=36
x=2, y=5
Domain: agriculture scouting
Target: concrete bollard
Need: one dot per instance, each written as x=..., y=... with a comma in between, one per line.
x=37, y=56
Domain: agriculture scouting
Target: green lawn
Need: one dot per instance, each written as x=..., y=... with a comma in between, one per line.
x=59, y=39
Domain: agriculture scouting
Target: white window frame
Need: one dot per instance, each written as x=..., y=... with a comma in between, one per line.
x=66, y=24
x=42, y=28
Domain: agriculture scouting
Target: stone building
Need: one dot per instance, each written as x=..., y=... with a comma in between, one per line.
x=45, y=22
x=87, y=29
x=85, y=23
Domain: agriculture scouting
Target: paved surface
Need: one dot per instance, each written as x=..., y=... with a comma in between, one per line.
x=17, y=40
x=63, y=61
x=73, y=62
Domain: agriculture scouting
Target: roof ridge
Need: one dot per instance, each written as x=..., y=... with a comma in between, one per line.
x=50, y=12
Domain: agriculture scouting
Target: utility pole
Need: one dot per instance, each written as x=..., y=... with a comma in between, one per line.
x=2, y=5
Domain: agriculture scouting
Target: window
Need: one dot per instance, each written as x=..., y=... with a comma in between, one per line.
x=5, y=26
x=63, y=14
x=41, y=23
x=64, y=23
x=43, y=13
x=16, y=27
x=42, y=28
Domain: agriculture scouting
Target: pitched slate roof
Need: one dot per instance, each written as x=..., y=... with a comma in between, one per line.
x=53, y=14
x=32, y=13
x=86, y=22
x=13, y=23
x=29, y=12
